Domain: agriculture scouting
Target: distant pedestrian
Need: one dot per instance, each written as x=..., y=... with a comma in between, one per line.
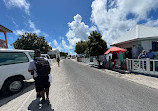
x=151, y=54
x=142, y=55
x=58, y=61
x=41, y=69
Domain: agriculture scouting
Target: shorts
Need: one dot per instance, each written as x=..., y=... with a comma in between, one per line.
x=41, y=83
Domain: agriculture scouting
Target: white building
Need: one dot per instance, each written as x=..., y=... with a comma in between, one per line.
x=54, y=52
x=139, y=38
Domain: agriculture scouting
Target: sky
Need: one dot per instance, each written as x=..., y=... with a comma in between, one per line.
x=66, y=22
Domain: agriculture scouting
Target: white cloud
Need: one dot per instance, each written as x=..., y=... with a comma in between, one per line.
x=111, y=16
x=32, y=25
x=72, y=53
x=14, y=23
x=93, y=28
x=19, y=32
x=59, y=47
x=10, y=47
x=55, y=43
x=49, y=43
x=61, y=38
x=78, y=30
x=33, y=29
x=66, y=46
x=152, y=22
x=22, y=4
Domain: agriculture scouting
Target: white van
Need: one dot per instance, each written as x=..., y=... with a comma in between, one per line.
x=14, y=69
x=47, y=57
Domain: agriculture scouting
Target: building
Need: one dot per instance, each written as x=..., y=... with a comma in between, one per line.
x=54, y=53
x=4, y=43
x=137, y=39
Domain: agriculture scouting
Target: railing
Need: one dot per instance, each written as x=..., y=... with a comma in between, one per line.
x=87, y=60
x=147, y=66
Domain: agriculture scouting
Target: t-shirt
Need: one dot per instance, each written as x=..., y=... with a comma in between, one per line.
x=142, y=56
x=32, y=66
x=151, y=55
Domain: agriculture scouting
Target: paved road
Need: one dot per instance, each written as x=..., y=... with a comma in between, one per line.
x=78, y=87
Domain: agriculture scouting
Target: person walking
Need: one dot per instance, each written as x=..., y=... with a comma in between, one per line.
x=40, y=68
x=58, y=61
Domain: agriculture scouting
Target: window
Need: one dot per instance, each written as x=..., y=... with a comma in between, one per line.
x=47, y=56
x=155, y=46
x=7, y=58
x=43, y=56
x=31, y=54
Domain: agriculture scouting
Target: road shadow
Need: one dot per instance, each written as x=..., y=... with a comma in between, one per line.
x=150, y=75
x=35, y=106
x=28, y=86
x=97, y=67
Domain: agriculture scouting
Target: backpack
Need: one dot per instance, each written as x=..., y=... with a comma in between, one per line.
x=42, y=67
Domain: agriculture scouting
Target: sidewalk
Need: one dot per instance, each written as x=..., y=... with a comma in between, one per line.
x=26, y=99
x=138, y=78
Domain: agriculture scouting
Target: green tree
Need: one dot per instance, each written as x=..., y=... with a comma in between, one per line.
x=63, y=54
x=30, y=41
x=96, y=45
x=81, y=47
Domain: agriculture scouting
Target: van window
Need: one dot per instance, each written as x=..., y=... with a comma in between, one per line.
x=7, y=58
x=31, y=54
x=43, y=56
x=47, y=56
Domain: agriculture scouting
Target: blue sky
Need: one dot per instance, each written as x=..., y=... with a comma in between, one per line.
x=65, y=22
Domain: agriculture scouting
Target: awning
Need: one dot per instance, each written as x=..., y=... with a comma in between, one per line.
x=115, y=49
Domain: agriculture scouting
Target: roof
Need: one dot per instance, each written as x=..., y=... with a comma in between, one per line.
x=138, y=32
x=4, y=29
x=44, y=54
x=115, y=49
x=15, y=50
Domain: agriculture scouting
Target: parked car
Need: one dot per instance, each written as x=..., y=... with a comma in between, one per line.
x=47, y=57
x=62, y=57
x=68, y=57
x=14, y=69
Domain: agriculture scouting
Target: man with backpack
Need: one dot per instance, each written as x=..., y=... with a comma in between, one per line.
x=40, y=68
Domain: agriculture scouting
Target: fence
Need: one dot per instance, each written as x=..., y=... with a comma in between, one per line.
x=146, y=66
x=87, y=60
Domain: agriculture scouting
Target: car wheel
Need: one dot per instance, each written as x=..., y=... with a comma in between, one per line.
x=12, y=86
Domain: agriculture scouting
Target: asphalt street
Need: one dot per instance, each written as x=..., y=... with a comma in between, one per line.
x=78, y=87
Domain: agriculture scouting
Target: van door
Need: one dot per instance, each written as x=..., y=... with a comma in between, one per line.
x=13, y=63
